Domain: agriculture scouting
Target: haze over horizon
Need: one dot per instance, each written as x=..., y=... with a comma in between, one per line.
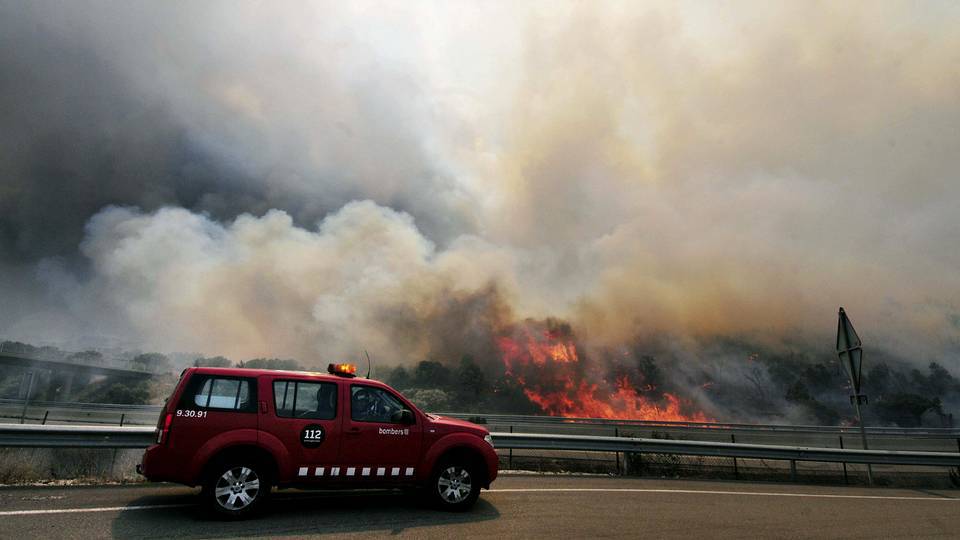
x=314, y=179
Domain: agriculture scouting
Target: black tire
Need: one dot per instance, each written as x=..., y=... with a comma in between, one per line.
x=236, y=490
x=454, y=485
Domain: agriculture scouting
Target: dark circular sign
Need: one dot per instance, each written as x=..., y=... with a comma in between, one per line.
x=312, y=436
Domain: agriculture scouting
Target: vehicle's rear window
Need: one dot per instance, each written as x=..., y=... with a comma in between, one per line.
x=220, y=393
x=300, y=399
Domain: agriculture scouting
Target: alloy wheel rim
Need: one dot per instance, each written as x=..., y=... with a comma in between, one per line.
x=237, y=488
x=454, y=484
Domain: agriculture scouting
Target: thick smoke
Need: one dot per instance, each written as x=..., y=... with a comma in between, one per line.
x=262, y=286
x=314, y=179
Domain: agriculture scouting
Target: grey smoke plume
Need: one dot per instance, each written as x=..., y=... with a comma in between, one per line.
x=304, y=178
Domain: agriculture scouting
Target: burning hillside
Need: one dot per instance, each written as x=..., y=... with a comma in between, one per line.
x=544, y=361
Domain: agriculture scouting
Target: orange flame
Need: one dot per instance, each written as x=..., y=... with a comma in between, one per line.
x=537, y=352
x=553, y=377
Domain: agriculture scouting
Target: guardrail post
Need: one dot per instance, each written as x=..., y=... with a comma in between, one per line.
x=736, y=470
x=122, y=416
x=616, y=433
x=793, y=470
x=845, y=479
x=44, y=422
x=510, y=457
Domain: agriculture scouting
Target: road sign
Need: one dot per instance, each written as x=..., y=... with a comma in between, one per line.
x=850, y=350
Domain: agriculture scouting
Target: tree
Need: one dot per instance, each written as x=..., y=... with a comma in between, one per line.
x=430, y=399
x=90, y=358
x=941, y=381
x=399, y=377
x=510, y=397
x=287, y=364
x=430, y=374
x=879, y=378
x=155, y=362
x=649, y=371
x=213, y=361
x=905, y=409
x=471, y=382
x=129, y=394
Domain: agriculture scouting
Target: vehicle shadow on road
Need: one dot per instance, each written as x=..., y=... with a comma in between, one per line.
x=292, y=513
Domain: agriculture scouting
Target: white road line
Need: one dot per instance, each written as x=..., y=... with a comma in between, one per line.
x=708, y=492
x=82, y=510
x=520, y=490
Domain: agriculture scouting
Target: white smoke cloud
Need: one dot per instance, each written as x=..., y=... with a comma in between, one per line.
x=262, y=286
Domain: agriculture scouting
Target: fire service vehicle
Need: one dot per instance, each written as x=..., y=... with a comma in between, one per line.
x=239, y=432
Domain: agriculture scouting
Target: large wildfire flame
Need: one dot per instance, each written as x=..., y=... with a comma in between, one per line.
x=548, y=368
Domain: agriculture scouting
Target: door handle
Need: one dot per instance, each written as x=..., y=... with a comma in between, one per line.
x=352, y=431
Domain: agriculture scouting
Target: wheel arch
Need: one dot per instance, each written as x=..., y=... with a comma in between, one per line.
x=468, y=453
x=240, y=453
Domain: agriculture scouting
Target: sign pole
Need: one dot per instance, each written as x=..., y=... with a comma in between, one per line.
x=863, y=436
x=850, y=351
x=26, y=400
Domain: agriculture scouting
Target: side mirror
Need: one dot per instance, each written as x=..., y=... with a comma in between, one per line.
x=403, y=416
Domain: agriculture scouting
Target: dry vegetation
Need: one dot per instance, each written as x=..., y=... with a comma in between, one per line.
x=53, y=465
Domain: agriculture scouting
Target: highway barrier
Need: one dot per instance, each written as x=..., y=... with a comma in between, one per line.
x=721, y=449
x=34, y=436
x=109, y=413
x=569, y=422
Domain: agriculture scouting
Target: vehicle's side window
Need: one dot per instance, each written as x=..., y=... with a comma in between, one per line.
x=371, y=404
x=299, y=399
x=221, y=393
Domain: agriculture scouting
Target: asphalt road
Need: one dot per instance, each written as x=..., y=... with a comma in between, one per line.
x=517, y=507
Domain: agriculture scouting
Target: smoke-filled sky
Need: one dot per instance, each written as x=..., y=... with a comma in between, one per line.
x=312, y=179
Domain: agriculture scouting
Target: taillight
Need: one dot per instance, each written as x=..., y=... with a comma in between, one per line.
x=164, y=431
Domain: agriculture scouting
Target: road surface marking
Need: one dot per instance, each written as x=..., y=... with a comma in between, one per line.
x=100, y=509
x=709, y=492
x=518, y=490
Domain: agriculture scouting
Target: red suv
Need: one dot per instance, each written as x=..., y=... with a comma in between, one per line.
x=238, y=432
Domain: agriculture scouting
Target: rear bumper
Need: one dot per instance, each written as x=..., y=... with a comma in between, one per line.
x=160, y=465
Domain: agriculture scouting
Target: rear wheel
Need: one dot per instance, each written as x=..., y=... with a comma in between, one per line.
x=236, y=490
x=455, y=485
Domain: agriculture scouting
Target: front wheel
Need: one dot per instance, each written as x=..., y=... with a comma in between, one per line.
x=236, y=490
x=455, y=486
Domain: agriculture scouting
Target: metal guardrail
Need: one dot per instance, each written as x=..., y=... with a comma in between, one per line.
x=33, y=436
x=719, y=449
x=511, y=419
x=564, y=422
x=112, y=407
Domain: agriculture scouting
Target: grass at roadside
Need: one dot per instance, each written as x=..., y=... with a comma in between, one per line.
x=54, y=465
